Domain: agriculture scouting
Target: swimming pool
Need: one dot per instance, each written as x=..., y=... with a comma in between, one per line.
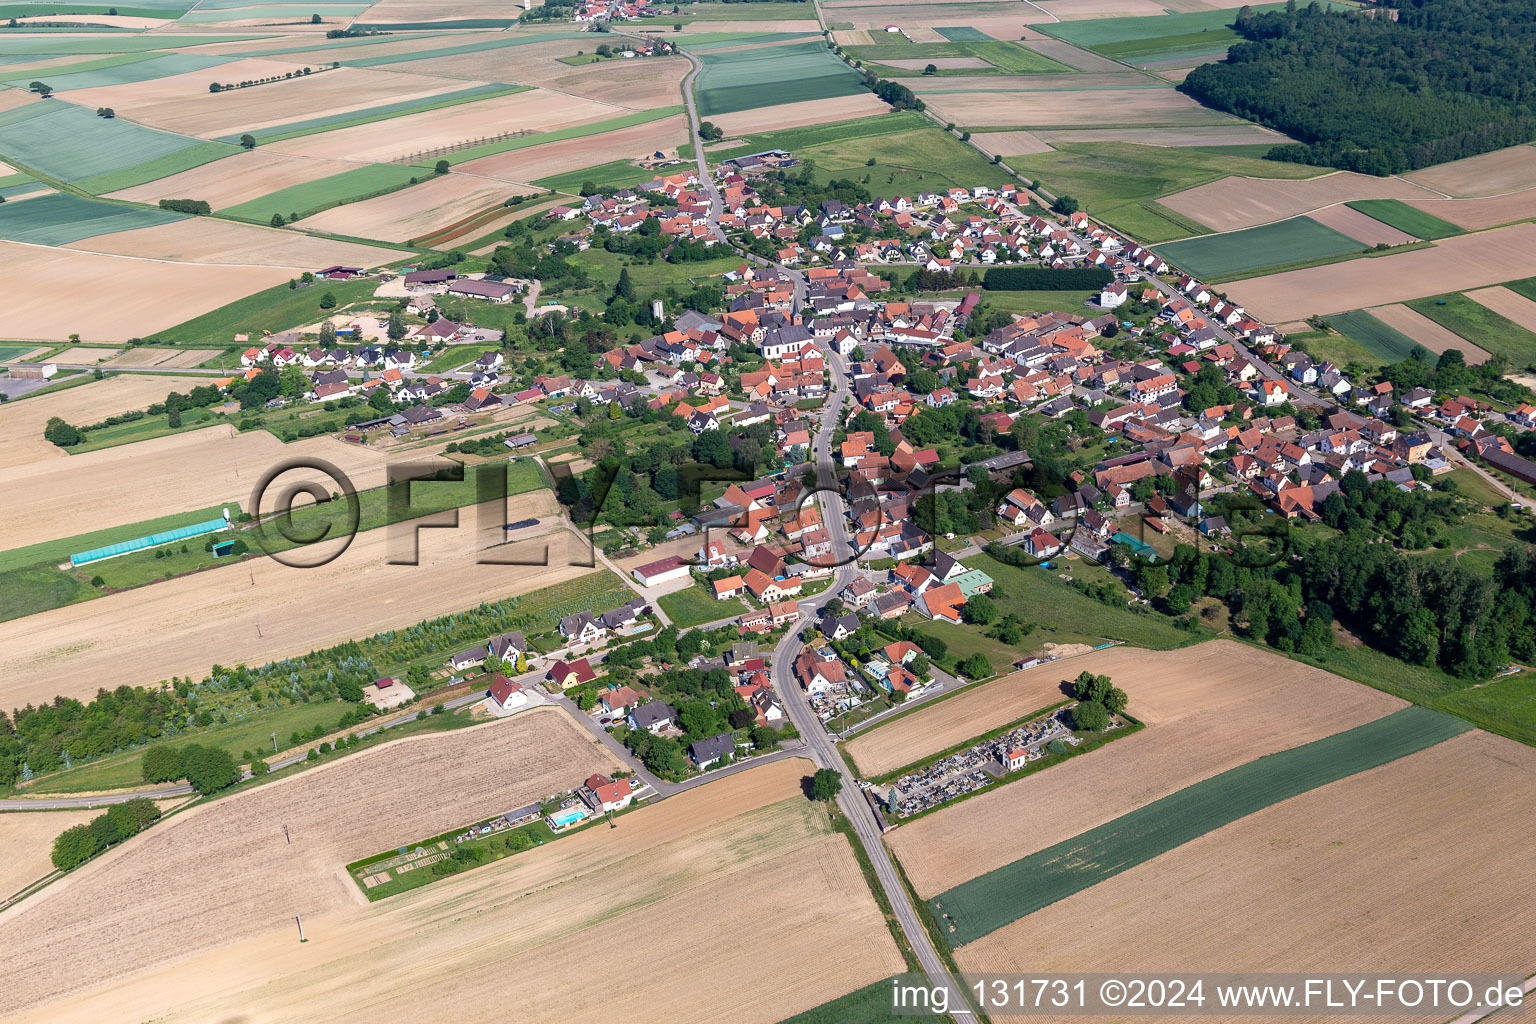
x=567, y=817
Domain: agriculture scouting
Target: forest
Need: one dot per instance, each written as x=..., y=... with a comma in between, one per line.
x=1363, y=92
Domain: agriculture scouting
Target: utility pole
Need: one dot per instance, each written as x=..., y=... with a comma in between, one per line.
x=290, y=841
x=274, y=743
x=300, y=919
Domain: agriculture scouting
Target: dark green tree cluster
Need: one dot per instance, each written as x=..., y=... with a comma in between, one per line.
x=1098, y=699
x=193, y=206
x=1445, y=79
x=78, y=844
x=206, y=769
x=1031, y=279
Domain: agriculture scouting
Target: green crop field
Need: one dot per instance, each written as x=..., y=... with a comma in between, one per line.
x=313, y=196
x=963, y=34
x=72, y=144
x=1122, y=181
x=38, y=588
x=29, y=71
x=774, y=74
x=1164, y=35
x=451, y=51
x=717, y=40
x=1272, y=245
x=157, y=167
x=905, y=162
x=1386, y=343
x=32, y=44
x=9, y=352
x=1005, y=58
x=59, y=219
x=1525, y=286
x=275, y=309
x=1398, y=214
x=775, y=11
x=1480, y=325
x=33, y=10
x=417, y=26
x=998, y=898
x=868, y=1005
x=347, y=119
x=122, y=72
x=795, y=139
x=560, y=134
x=614, y=174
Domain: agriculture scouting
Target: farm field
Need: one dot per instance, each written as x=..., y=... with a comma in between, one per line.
x=634, y=84
x=1206, y=713
x=388, y=111
x=1412, y=220
x=989, y=902
x=1481, y=325
x=319, y=193
x=219, y=880
x=401, y=137
x=1384, y=871
x=143, y=636
x=928, y=730
x=1466, y=261
x=21, y=423
x=1487, y=174
x=412, y=212
x=201, y=240
x=909, y=161
x=74, y=145
x=1476, y=214
x=1361, y=227
x=26, y=841
x=1426, y=332
x=1110, y=107
x=798, y=115
x=141, y=356
x=565, y=156
x=1212, y=136
x=235, y=179
x=88, y=76
x=1290, y=241
x=59, y=219
x=790, y=73
x=1239, y=202
x=744, y=849
x=127, y=298
x=989, y=55
x=1011, y=143
x=1384, y=341
x=1513, y=306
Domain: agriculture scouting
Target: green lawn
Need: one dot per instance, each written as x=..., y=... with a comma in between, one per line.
x=1121, y=181
x=1297, y=240
x=38, y=588
x=695, y=606
x=1481, y=326
x=1336, y=348
x=1398, y=214
x=1004, y=895
x=1385, y=343
x=276, y=309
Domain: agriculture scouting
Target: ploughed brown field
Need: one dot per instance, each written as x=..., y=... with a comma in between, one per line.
x=1389, y=871
x=551, y=158
x=224, y=871
x=1487, y=174
x=1233, y=202
x=1208, y=708
x=1067, y=109
x=744, y=868
x=1453, y=264
x=21, y=423
x=257, y=610
x=26, y=841
x=222, y=242
x=1428, y=333
x=246, y=175
x=415, y=211
x=796, y=115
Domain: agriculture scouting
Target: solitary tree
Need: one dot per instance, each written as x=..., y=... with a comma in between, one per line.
x=41, y=88
x=441, y=167
x=826, y=784
x=277, y=220
x=396, y=326
x=215, y=87
x=248, y=141
x=328, y=301
x=1089, y=716
x=314, y=19
x=931, y=69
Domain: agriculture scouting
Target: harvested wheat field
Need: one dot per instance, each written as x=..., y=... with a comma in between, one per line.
x=223, y=871
x=1363, y=229
x=1385, y=871
x=22, y=422
x=691, y=872
x=399, y=137
x=249, y=174
x=1083, y=10
x=185, y=625
x=1426, y=332
x=415, y=211
x=26, y=840
x=1453, y=264
x=1508, y=304
x=1477, y=214
x=220, y=242
x=635, y=84
x=928, y=730
x=435, y=10
x=1208, y=708
x=128, y=298
x=1234, y=202
x=1213, y=135
x=535, y=162
x=796, y=115
x=182, y=103
x=1070, y=109
x=1011, y=143
x=1490, y=174
x=766, y=27
x=191, y=470
x=175, y=358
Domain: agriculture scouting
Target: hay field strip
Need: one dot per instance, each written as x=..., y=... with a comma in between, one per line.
x=1411, y=220
x=991, y=901
x=331, y=122
x=1385, y=871
x=1214, y=257
x=60, y=219
x=770, y=76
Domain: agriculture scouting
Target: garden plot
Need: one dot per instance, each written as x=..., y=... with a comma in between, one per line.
x=1385, y=871
x=462, y=125
x=202, y=240
x=1233, y=202
x=128, y=298
x=184, y=104
x=186, y=625
x=225, y=871
x=1453, y=264
x=537, y=162
x=236, y=179
x=412, y=212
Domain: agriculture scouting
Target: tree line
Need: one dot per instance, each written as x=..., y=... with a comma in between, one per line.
x=1364, y=92
x=79, y=843
x=1035, y=279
